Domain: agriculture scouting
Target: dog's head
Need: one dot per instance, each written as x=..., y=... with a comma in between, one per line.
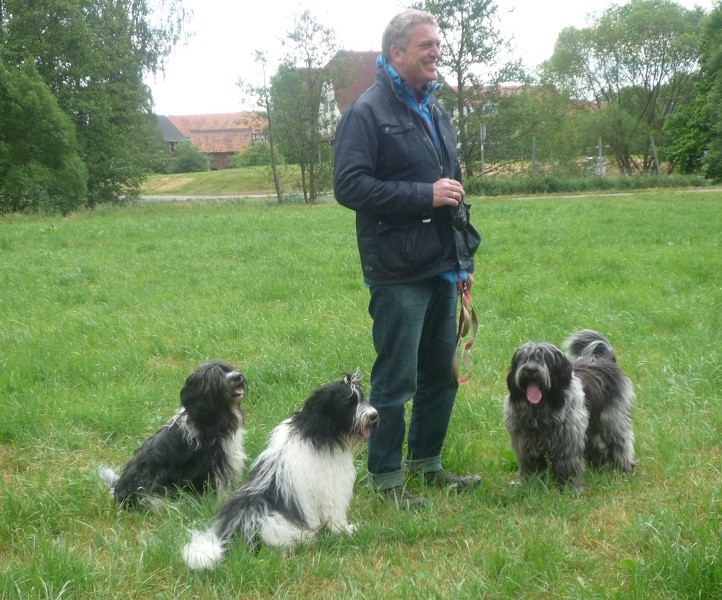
x=213, y=388
x=539, y=375
x=336, y=414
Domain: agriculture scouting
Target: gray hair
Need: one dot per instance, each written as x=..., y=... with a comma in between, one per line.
x=398, y=31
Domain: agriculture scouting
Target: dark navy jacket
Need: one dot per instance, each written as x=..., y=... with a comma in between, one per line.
x=385, y=165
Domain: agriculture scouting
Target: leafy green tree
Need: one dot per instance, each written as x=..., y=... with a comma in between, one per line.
x=261, y=96
x=189, y=159
x=636, y=62
x=712, y=74
x=688, y=132
x=529, y=124
x=473, y=52
x=40, y=169
x=695, y=131
x=93, y=55
x=301, y=104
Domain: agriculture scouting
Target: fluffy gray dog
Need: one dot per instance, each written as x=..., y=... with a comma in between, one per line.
x=564, y=408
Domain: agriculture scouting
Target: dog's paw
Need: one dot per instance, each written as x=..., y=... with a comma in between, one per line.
x=341, y=528
x=631, y=467
x=516, y=482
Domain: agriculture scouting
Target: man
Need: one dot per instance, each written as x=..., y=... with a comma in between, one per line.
x=396, y=166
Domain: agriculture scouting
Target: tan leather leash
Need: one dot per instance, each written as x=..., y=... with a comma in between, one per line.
x=467, y=321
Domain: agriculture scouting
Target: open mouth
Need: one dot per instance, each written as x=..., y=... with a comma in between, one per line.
x=238, y=385
x=533, y=393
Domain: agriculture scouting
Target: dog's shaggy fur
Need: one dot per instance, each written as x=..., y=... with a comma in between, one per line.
x=200, y=447
x=564, y=408
x=301, y=482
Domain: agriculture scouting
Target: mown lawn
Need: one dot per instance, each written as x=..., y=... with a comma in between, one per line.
x=246, y=181
x=104, y=314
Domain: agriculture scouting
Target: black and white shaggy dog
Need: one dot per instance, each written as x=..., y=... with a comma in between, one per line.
x=301, y=482
x=199, y=448
x=564, y=408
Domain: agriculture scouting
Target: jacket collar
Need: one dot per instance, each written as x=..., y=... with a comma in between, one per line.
x=403, y=90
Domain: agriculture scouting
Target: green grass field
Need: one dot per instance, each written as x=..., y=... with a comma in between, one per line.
x=226, y=182
x=104, y=314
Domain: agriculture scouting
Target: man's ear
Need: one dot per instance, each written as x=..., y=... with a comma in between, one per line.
x=396, y=54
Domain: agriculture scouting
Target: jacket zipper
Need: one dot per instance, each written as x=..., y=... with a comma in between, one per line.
x=431, y=143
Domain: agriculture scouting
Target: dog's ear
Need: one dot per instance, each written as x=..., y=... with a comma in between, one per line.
x=354, y=378
x=353, y=382
x=516, y=359
x=563, y=369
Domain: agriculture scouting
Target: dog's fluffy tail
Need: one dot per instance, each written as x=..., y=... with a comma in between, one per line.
x=204, y=551
x=109, y=477
x=589, y=344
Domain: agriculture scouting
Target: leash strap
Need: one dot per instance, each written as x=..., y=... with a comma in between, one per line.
x=467, y=321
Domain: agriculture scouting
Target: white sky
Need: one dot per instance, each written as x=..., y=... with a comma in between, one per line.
x=201, y=76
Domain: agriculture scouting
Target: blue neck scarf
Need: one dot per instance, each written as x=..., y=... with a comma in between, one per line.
x=416, y=100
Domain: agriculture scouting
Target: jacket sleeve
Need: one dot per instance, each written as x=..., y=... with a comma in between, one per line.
x=356, y=184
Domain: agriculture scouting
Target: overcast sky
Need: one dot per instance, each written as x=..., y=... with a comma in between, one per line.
x=201, y=76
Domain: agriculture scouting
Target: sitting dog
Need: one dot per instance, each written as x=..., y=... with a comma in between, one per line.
x=301, y=482
x=562, y=409
x=200, y=447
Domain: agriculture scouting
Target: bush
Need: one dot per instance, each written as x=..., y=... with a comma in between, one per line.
x=509, y=186
x=256, y=155
x=40, y=168
x=189, y=159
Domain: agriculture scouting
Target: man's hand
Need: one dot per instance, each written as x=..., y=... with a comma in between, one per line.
x=447, y=192
x=465, y=285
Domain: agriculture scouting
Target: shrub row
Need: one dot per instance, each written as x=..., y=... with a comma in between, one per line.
x=507, y=186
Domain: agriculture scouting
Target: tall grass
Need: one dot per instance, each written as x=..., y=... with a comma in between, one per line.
x=103, y=315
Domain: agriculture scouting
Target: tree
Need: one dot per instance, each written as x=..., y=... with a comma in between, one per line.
x=40, y=169
x=635, y=62
x=301, y=103
x=688, y=132
x=712, y=73
x=473, y=52
x=93, y=55
x=262, y=97
x=528, y=123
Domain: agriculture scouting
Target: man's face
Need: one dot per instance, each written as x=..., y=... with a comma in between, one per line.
x=418, y=63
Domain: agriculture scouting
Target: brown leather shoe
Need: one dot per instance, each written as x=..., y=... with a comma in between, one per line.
x=446, y=479
x=403, y=499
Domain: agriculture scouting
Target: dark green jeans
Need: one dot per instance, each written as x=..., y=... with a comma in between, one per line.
x=414, y=334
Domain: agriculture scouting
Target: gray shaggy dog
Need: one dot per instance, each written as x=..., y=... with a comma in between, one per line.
x=564, y=408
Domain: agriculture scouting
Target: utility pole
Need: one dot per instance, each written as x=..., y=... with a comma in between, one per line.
x=482, y=136
x=533, y=156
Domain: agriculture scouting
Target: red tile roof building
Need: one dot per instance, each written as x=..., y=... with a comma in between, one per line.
x=353, y=73
x=221, y=135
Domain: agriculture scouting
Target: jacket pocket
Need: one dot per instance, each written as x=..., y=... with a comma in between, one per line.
x=407, y=247
x=399, y=145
